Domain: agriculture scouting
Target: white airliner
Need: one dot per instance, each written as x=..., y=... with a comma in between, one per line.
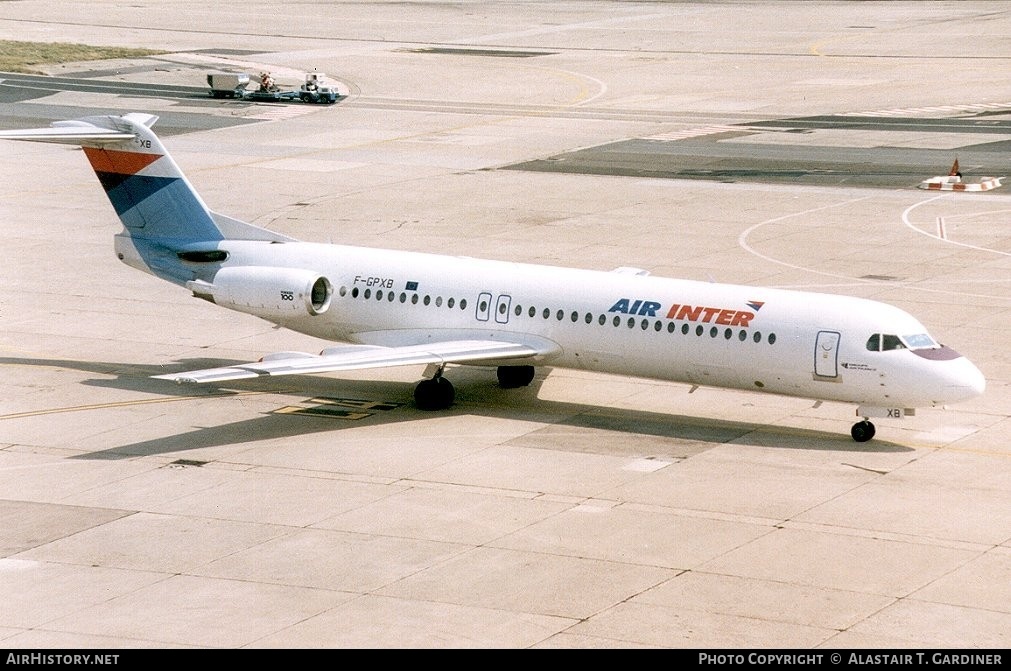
x=394, y=308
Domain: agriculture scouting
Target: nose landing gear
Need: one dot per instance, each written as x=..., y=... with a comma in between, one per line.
x=862, y=431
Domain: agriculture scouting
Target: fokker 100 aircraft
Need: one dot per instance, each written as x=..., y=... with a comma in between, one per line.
x=394, y=308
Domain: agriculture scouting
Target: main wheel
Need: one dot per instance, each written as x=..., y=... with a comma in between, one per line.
x=434, y=394
x=511, y=377
x=862, y=431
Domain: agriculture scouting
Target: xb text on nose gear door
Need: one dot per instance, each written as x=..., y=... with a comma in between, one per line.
x=826, y=355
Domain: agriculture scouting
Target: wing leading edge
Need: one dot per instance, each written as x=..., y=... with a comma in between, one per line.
x=357, y=357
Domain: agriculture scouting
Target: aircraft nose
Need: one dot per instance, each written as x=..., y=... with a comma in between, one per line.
x=965, y=382
x=978, y=382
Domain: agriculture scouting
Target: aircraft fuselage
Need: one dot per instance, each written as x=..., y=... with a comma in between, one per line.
x=802, y=344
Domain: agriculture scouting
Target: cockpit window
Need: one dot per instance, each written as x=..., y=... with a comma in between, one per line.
x=919, y=341
x=890, y=342
x=883, y=342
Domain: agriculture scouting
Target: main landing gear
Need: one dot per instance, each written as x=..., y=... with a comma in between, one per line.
x=437, y=393
x=862, y=431
x=511, y=377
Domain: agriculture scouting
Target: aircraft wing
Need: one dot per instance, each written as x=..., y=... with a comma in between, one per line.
x=355, y=357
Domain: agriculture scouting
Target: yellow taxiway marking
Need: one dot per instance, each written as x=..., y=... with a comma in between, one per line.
x=124, y=404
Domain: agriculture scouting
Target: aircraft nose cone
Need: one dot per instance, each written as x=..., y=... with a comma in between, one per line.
x=977, y=381
x=966, y=382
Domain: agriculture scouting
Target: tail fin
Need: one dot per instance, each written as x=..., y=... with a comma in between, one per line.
x=152, y=197
x=160, y=210
x=149, y=192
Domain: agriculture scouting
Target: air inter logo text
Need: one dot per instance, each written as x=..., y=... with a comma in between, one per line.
x=691, y=313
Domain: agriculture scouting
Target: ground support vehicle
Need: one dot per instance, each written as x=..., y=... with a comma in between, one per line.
x=232, y=85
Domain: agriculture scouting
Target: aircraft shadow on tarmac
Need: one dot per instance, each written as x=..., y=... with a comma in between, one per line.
x=323, y=404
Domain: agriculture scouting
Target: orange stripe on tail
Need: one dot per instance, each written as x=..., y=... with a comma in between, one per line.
x=120, y=162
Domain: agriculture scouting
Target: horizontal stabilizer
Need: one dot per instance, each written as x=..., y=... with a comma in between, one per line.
x=67, y=135
x=92, y=130
x=357, y=357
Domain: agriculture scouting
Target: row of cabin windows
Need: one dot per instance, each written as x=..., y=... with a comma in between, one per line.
x=644, y=324
x=631, y=322
x=391, y=296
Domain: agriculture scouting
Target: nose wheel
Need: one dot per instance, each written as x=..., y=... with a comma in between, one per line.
x=862, y=431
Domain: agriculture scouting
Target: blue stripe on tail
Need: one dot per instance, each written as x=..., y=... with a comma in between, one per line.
x=159, y=208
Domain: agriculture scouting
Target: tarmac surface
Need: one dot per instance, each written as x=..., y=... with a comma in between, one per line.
x=760, y=143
